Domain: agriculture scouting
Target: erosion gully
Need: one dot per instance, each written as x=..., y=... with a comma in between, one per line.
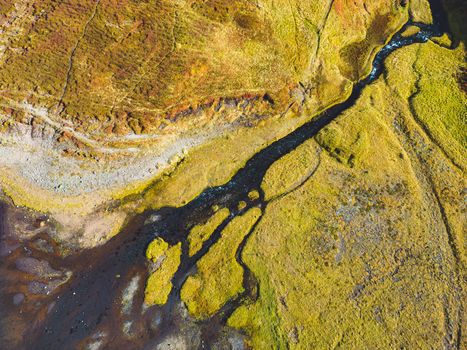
x=86, y=311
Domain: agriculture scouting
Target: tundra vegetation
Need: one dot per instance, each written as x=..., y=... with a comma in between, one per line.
x=357, y=236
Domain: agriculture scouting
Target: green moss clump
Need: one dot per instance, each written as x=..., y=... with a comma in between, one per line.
x=412, y=30
x=344, y=147
x=156, y=249
x=359, y=257
x=439, y=103
x=219, y=276
x=300, y=163
x=443, y=41
x=159, y=283
x=199, y=234
x=420, y=11
x=253, y=195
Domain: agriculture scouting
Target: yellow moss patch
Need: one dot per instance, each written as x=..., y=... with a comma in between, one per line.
x=347, y=260
x=443, y=40
x=299, y=163
x=219, y=276
x=215, y=162
x=159, y=283
x=241, y=205
x=441, y=104
x=412, y=30
x=156, y=249
x=260, y=320
x=200, y=233
x=253, y=195
x=433, y=92
x=438, y=106
x=420, y=11
x=346, y=148
x=356, y=57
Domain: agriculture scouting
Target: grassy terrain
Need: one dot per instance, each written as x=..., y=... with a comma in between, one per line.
x=199, y=234
x=439, y=103
x=280, y=180
x=359, y=256
x=219, y=277
x=420, y=11
x=166, y=260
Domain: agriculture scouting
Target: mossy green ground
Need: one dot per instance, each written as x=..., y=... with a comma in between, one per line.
x=280, y=179
x=167, y=260
x=438, y=95
x=219, y=277
x=359, y=256
x=199, y=234
x=370, y=251
x=420, y=11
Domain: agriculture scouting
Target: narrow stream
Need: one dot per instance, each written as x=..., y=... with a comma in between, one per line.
x=88, y=312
